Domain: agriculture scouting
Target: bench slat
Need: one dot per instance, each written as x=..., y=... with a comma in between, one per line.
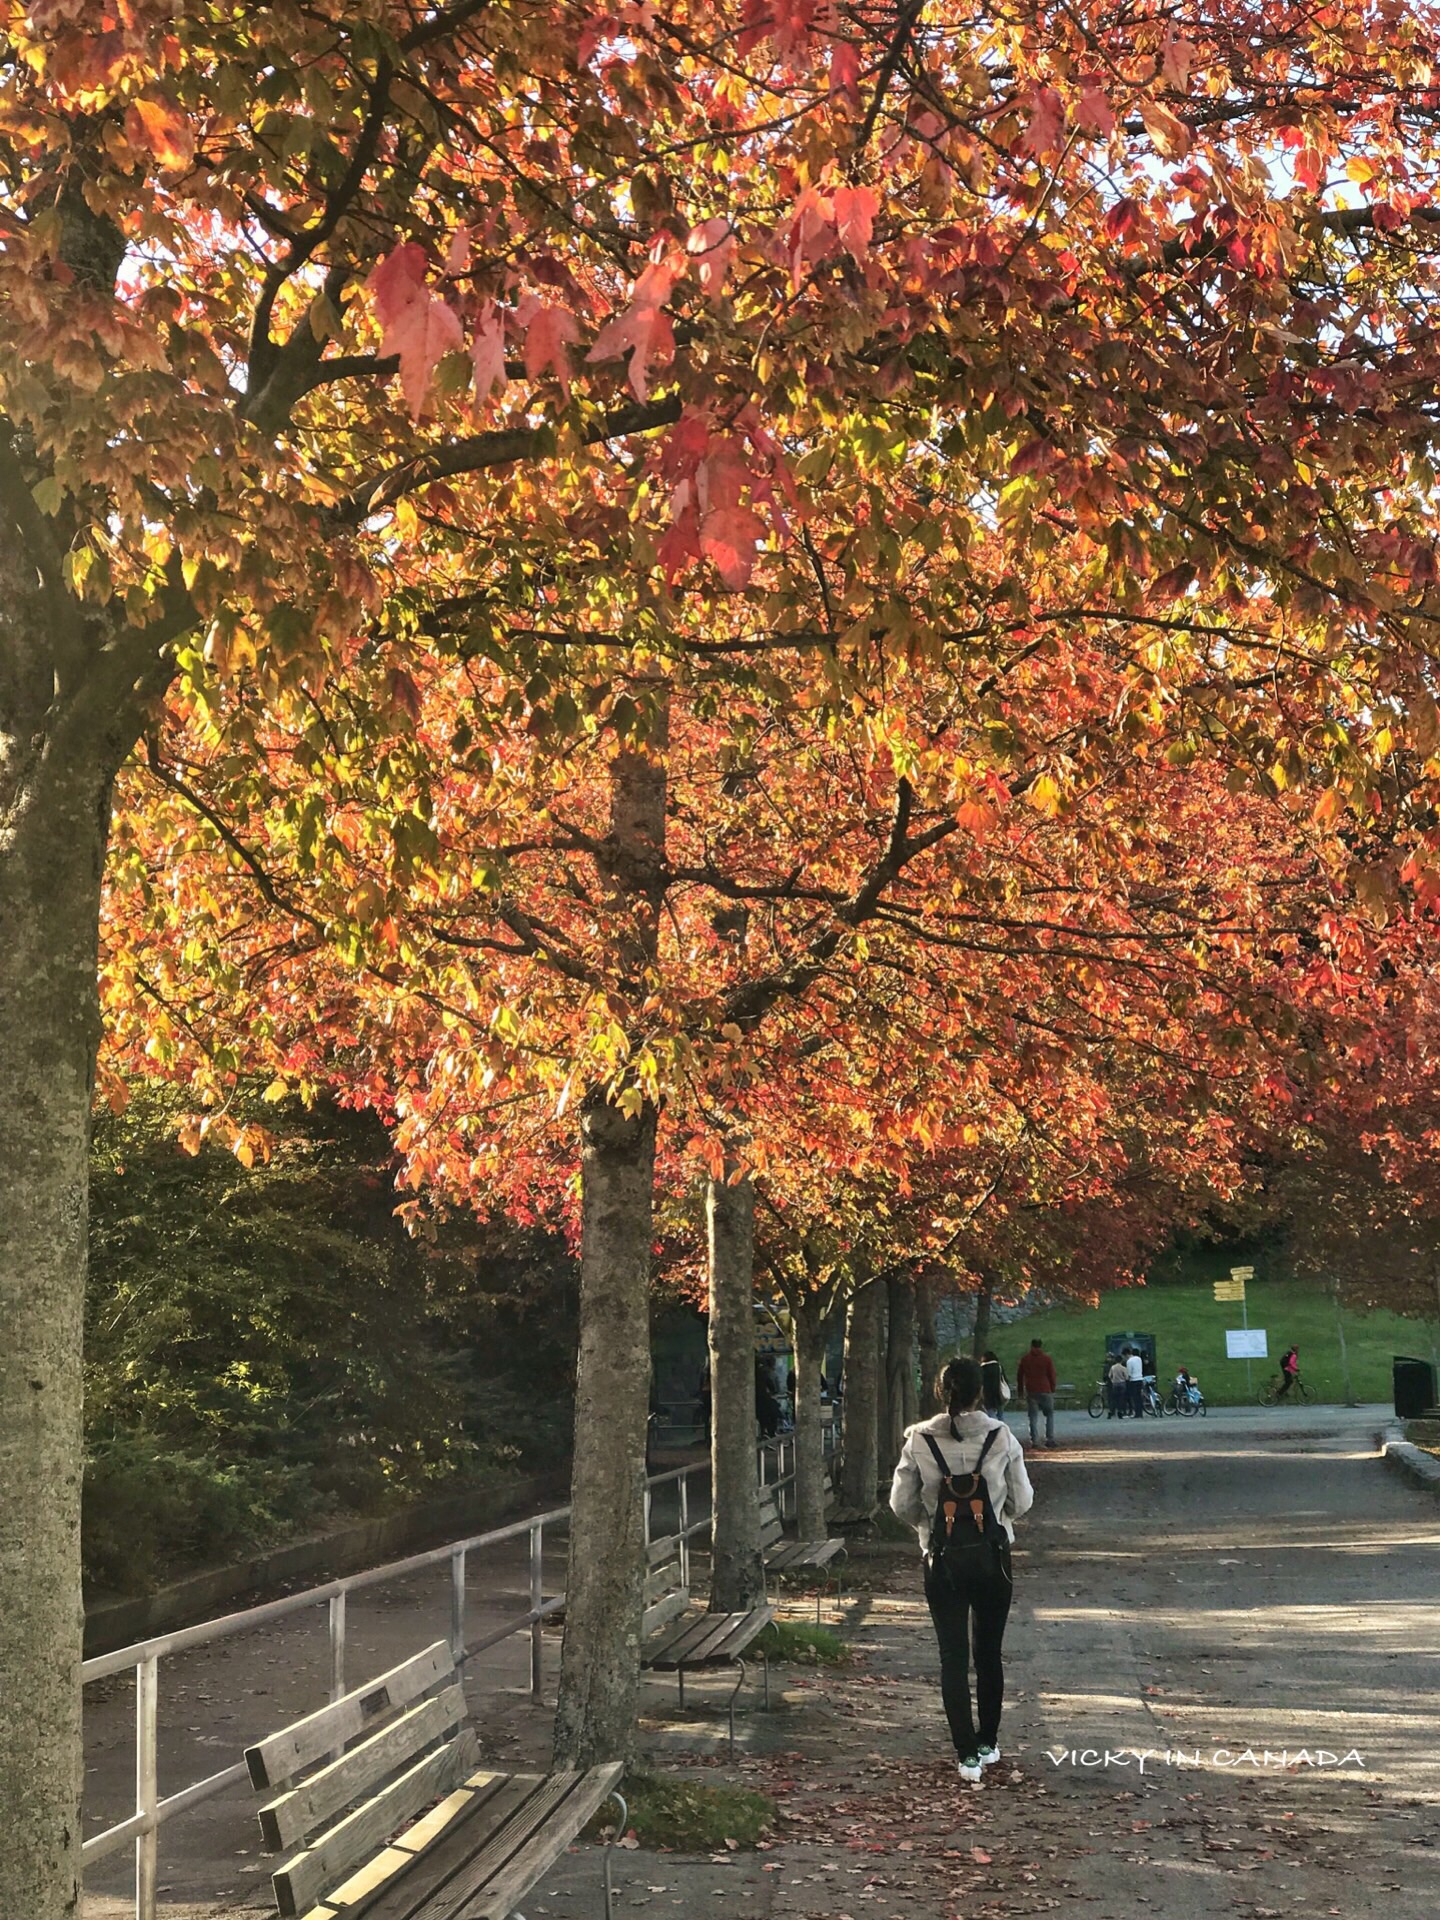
x=286, y=1822
x=276, y=1761
x=546, y=1798
x=664, y=1611
x=300, y=1883
x=697, y=1643
x=430, y=1877
x=545, y=1846
x=667, y=1548
x=746, y=1628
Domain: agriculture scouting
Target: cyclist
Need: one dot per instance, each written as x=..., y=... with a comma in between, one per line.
x=1289, y=1371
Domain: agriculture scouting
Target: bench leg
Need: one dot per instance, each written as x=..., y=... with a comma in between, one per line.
x=733, y=1698
x=609, y=1850
x=680, y=1678
x=765, y=1662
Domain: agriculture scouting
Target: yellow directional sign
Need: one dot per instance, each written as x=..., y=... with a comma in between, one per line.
x=1242, y=1273
x=1229, y=1289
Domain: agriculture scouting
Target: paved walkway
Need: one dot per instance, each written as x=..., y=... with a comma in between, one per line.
x=1253, y=1585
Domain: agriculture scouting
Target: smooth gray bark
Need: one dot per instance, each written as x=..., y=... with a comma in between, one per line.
x=929, y=1351
x=60, y=742
x=984, y=1300
x=900, y=1397
x=737, y=1572
x=49, y=906
x=860, y=1468
x=808, y=1320
x=600, y=1659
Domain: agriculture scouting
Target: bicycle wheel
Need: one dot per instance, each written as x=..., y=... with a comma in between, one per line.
x=1191, y=1407
x=1097, y=1405
x=1173, y=1403
x=1269, y=1393
x=1305, y=1390
x=1202, y=1409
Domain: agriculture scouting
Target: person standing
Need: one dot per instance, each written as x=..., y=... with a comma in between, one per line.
x=973, y=1604
x=1035, y=1377
x=1115, y=1388
x=1134, y=1383
x=994, y=1387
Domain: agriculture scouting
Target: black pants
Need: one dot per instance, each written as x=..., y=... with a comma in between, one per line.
x=979, y=1608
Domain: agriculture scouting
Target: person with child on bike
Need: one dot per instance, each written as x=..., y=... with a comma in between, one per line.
x=1289, y=1372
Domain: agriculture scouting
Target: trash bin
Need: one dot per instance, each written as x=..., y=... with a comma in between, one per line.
x=1414, y=1387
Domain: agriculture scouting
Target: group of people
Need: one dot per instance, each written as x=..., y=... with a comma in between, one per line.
x=1125, y=1385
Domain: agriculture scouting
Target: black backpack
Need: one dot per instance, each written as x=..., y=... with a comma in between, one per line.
x=965, y=1533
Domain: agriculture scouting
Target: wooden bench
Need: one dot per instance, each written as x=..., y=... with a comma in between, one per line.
x=390, y=1818
x=683, y=1642
x=797, y=1556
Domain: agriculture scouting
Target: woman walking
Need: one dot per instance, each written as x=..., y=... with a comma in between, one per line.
x=978, y=1465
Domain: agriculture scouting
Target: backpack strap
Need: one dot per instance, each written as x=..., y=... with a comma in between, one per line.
x=946, y=1470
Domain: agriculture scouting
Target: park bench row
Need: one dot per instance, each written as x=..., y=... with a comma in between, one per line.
x=389, y=1815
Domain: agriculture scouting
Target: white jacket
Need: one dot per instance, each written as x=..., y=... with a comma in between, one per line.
x=916, y=1485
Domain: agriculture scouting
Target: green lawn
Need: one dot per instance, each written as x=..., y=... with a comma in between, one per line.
x=1189, y=1328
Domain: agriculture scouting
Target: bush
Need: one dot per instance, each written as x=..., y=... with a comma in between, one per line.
x=689, y=1816
x=802, y=1645
x=150, y=1511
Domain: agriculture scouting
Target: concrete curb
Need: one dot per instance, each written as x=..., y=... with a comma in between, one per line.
x=1418, y=1466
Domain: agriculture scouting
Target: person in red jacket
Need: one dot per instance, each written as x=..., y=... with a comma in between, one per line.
x=1035, y=1377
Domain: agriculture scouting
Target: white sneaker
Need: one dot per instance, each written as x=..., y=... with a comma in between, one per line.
x=988, y=1756
x=971, y=1770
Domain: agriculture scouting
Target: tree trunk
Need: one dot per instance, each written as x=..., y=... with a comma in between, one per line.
x=984, y=1301
x=883, y=1420
x=900, y=1364
x=737, y=1568
x=860, y=1469
x=52, y=851
x=809, y=1323
x=929, y=1348
x=600, y=1658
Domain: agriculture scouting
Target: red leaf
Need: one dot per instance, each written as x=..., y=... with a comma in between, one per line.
x=855, y=211
x=643, y=329
x=712, y=244
x=729, y=537
x=487, y=351
x=549, y=333
x=414, y=323
x=1093, y=110
x=845, y=73
x=1047, y=123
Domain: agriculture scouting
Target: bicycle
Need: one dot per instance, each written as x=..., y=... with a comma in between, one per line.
x=1189, y=1404
x=1270, y=1395
x=1150, y=1401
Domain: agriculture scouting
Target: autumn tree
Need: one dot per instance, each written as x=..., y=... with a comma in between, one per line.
x=294, y=309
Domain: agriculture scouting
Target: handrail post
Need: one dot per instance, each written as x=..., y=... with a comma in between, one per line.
x=147, y=1783
x=685, y=1528
x=457, y=1605
x=537, y=1600
x=337, y=1645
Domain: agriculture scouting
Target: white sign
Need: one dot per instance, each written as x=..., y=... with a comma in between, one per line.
x=1245, y=1343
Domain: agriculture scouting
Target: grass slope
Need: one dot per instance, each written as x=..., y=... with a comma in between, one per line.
x=1189, y=1328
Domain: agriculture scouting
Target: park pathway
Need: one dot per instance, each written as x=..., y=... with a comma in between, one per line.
x=1251, y=1585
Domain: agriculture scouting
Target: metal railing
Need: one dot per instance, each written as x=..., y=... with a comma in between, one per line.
x=776, y=1468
